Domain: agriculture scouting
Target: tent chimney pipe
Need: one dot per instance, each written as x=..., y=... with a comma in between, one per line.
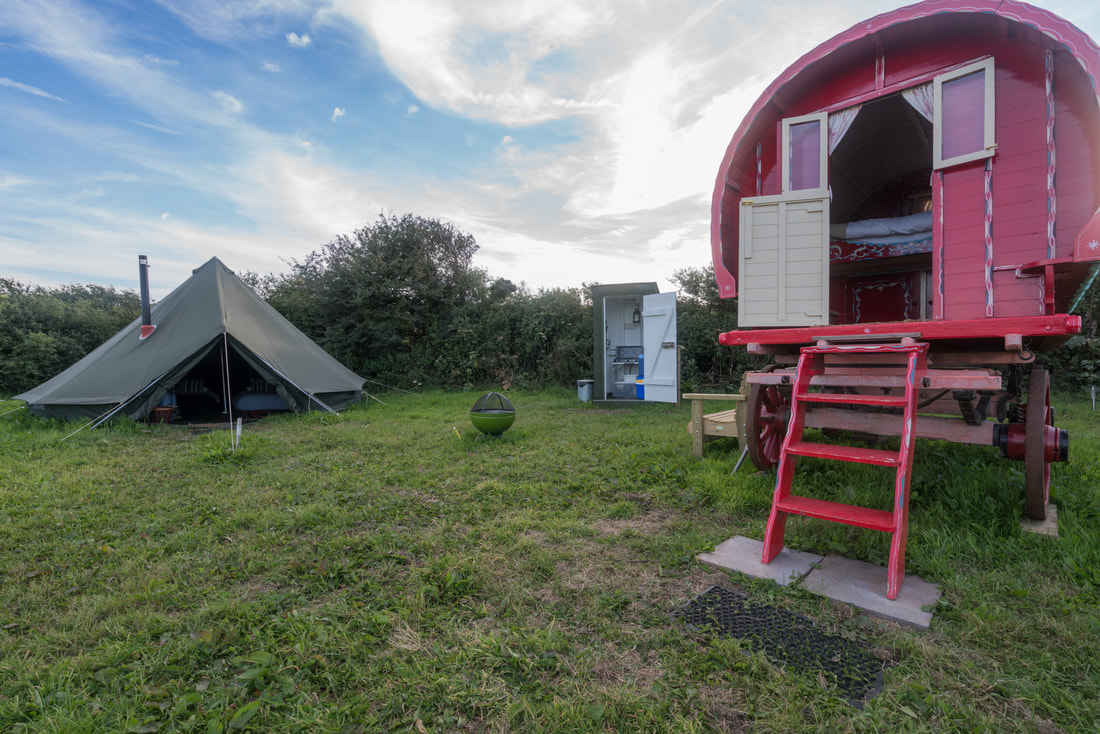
x=147, y=325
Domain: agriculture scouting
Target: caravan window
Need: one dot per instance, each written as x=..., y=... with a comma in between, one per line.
x=805, y=153
x=964, y=115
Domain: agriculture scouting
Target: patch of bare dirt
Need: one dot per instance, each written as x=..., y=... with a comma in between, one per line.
x=628, y=668
x=1017, y=709
x=644, y=524
x=255, y=587
x=722, y=712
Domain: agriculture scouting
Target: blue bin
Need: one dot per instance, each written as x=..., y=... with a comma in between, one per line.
x=584, y=390
x=639, y=384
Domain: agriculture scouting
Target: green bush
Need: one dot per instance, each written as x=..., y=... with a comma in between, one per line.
x=43, y=331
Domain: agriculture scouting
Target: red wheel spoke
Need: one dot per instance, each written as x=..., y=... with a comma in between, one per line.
x=766, y=422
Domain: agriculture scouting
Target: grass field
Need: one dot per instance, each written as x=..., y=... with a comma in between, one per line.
x=390, y=570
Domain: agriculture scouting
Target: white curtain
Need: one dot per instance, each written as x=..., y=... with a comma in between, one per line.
x=839, y=123
x=921, y=100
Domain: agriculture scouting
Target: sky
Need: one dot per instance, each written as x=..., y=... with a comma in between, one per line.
x=577, y=140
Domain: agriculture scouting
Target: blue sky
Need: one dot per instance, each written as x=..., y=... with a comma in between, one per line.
x=577, y=140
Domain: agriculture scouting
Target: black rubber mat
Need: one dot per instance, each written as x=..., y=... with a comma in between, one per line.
x=788, y=640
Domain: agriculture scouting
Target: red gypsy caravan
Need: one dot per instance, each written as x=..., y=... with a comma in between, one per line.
x=907, y=216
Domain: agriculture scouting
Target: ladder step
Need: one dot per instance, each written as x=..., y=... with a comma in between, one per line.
x=882, y=401
x=856, y=454
x=863, y=517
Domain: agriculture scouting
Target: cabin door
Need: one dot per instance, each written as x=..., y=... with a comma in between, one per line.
x=784, y=239
x=662, y=373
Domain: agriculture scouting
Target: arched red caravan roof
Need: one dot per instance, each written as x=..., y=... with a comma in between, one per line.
x=1077, y=43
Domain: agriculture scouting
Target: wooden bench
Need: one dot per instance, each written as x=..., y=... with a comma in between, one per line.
x=709, y=426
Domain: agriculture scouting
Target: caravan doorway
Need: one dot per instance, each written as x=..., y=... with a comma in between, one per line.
x=881, y=175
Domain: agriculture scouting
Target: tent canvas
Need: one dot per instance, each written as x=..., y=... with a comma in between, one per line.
x=215, y=339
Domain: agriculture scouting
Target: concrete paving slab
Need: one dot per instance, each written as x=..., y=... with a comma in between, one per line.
x=1049, y=526
x=864, y=585
x=743, y=554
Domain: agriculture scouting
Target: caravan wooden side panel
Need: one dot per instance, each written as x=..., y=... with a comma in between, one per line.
x=1019, y=177
x=963, y=233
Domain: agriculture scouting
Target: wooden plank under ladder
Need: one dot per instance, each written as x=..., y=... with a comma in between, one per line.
x=811, y=362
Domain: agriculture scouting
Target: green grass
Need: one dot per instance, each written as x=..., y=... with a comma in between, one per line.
x=383, y=571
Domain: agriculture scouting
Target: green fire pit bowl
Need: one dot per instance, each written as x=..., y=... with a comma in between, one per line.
x=493, y=414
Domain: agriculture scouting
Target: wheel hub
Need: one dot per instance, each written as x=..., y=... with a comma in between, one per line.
x=1011, y=438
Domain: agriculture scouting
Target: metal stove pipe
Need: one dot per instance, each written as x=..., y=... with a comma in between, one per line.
x=147, y=325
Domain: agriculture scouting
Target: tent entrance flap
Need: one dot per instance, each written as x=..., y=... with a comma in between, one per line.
x=141, y=403
x=206, y=384
x=228, y=374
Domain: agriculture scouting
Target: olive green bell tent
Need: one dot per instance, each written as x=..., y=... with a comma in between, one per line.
x=215, y=342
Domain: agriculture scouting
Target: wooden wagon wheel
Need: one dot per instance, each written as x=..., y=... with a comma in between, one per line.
x=1038, y=416
x=769, y=409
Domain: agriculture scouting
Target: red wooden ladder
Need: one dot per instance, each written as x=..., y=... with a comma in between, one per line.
x=812, y=363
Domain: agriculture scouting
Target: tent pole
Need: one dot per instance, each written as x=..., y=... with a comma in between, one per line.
x=225, y=391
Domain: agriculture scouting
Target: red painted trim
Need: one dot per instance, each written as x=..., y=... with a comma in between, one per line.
x=146, y=331
x=909, y=82
x=1037, y=265
x=937, y=244
x=1032, y=326
x=1073, y=39
x=988, y=237
x=1052, y=164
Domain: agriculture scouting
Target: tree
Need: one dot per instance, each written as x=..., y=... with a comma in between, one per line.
x=1076, y=365
x=701, y=316
x=43, y=331
x=370, y=298
x=518, y=340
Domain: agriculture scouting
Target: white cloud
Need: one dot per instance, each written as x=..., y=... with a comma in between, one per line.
x=302, y=41
x=5, y=82
x=157, y=61
x=119, y=176
x=654, y=96
x=165, y=216
x=412, y=109
x=306, y=201
x=338, y=113
x=228, y=21
x=9, y=183
x=229, y=103
x=483, y=59
x=88, y=45
x=270, y=67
